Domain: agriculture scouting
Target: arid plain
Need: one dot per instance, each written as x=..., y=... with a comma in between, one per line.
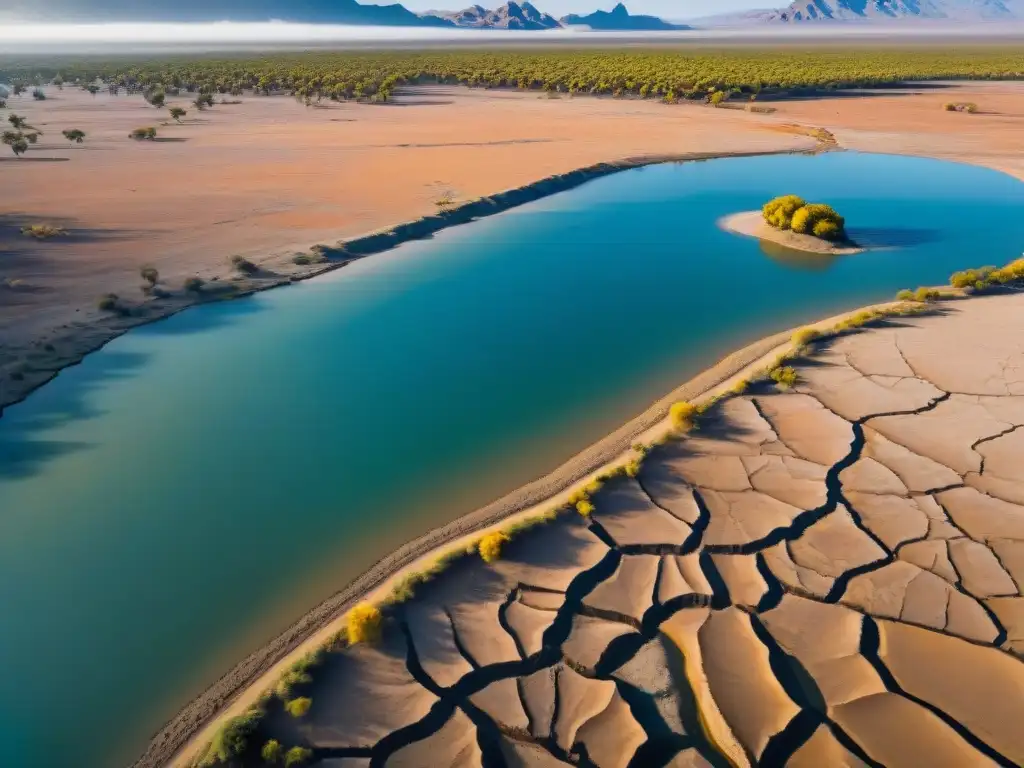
x=267, y=177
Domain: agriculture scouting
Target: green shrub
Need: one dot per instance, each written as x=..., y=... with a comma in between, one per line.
x=807, y=219
x=490, y=546
x=194, y=284
x=289, y=680
x=299, y=707
x=779, y=212
x=109, y=302
x=243, y=265
x=970, y=277
x=905, y=295
x=785, y=377
x=682, y=414
x=271, y=752
x=297, y=756
x=364, y=624
x=232, y=739
x=804, y=336
x=718, y=97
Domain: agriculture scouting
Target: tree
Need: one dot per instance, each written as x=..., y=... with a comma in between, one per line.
x=17, y=121
x=203, y=100
x=819, y=220
x=31, y=138
x=3, y=103
x=74, y=135
x=19, y=147
x=156, y=97
x=177, y=113
x=271, y=752
x=59, y=82
x=38, y=94
x=94, y=89
x=18, y=88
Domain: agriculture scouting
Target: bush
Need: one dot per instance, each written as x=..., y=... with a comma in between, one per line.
x=804, y=336
x=718, y=97
x=632, y=468
x=38, y=94
x=926, y=294
x=299, y=707
x=785, y=377
x=364, y=624
x=817, y=217
x=970, y=277
x=150, y=275
x=194, y=284
x=779, y=212
x=681, y=415
x=143, y=134
x=1012, y=272
x=490, y=546
x=271, y=752
x=585, y=507
x=232, y=739
x=905, y=295
x=109, y=302
x=297, y=756
x=289, y=680
x=43, y=231
x=243, y=265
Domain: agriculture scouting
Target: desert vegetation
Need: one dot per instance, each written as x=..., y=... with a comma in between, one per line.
x=672, y=75
x=364, y=624
x=964, y=106
x=43, y=231
x=147, y=133
x=74, y=135
x=791, y=212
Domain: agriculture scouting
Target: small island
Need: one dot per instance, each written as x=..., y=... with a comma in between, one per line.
x=792, y=222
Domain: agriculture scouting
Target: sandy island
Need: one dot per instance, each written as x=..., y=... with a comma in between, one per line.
x=752, y=224
x=866, y=523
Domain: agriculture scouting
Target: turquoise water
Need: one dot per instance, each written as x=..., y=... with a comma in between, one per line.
x=185, y=492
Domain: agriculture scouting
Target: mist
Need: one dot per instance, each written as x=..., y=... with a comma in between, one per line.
x=154, y=37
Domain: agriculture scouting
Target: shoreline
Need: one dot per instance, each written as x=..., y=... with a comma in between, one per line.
x=69, y=349
x=182, y=740
x=752, y=224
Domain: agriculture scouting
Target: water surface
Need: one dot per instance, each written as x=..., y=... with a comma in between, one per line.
x=184, y=493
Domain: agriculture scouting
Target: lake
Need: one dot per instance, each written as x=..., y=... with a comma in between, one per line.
x=186, y=492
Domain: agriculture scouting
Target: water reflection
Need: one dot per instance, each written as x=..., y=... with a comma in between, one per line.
x=794, y=259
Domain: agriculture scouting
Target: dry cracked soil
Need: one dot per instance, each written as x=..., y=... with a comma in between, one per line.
x=829, y=575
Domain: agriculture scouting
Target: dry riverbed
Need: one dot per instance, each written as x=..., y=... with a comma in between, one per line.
x=829, y=574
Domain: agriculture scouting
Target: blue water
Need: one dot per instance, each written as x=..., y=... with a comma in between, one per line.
x=185, y=492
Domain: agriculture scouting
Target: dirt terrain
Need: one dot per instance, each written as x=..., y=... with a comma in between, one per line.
x=824, y=575
x=268, y=177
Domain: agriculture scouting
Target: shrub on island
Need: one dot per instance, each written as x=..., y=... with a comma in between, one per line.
x=794, y=213
x=779, y=212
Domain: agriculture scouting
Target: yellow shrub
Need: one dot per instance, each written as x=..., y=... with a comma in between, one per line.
x=490, y=546
x=593, y=487
x=632, y=468
x=804, y=336
x=779, y=212
x=584, y=507
x=681, y=414
x=579, y=494
x=299, y=707
x=364, y=623
x=784, y=377
x=926, y=294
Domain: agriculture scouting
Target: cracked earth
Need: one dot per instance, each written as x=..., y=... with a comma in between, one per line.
x=826, y=576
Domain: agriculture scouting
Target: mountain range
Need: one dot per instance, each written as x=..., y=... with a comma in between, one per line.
x=620, y=19
x=803, y=11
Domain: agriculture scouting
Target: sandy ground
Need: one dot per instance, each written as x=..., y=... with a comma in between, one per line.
x=864, y=524
x=752, y=224
x=816, y=526
x=269, y=177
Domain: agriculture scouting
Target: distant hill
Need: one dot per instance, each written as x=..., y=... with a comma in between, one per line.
x=620, y=19
x=881, y=11
x=509, y=16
